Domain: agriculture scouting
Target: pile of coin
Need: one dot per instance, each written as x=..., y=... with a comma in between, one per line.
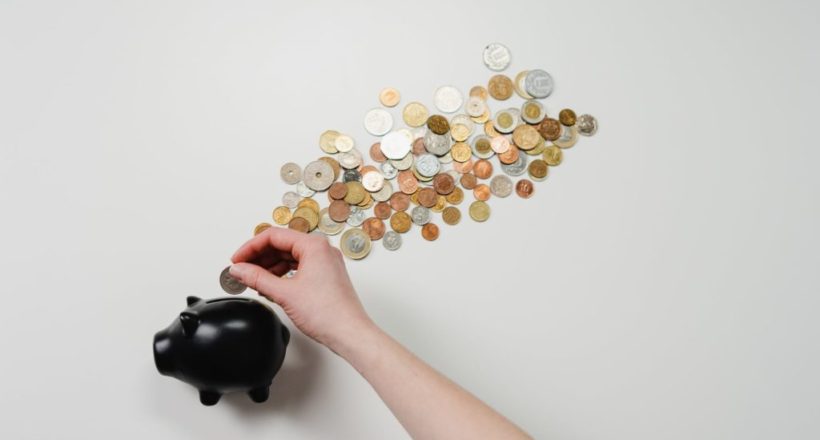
x=426, y=166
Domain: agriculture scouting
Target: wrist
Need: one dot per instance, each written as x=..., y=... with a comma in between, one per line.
x=349, y=343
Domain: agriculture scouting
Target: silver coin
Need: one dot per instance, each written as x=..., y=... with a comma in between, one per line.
x=351, y=176
x=350, y=159
x=486, y=154
x=291, y=173
x=395, y=145
x=569, y=137
x=357, y=216
x=516, y=168
x=427, y=165
x=587, y=125
x=463, y=119
x=373, y=181
x=497, y=57
x=388, y=170
x=501, y=186
x=355, y=243
x=532, y=119
x=318, y=175
x=327, y=225
x=404, y=163
x=378, y=121
x=420, y=215
x=448, y=99
x=344, y=143
x=504, y=129
x=438, y=144
x=291, y=199
x=391, y=240
x=303, y=190
x=538, y=83
x=475, y=106
x=383, y=194
x=230, y=284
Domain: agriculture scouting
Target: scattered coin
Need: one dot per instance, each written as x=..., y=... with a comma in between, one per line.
x=538, y=170
x=281, y=215
x=299, y=224
x=391, y=240
x=429, y=231
x=420, y=215
x=395, y=145
x=378, y=121
x=479, y=211
x=500, y=87
x=261, y=227
x=538, y=83
x=496, y=56
x=587, y=125
x=374, y=228
x=553, y=155
x=501, y=186
x=451, y=215
x=524, y=188
x=414, y=114
x=318, y=175
x=438, y=124
x=389, y=97
x=518, y=84
x=448, y=99
x=567, y=117
x=400, y=221
x=230, y=284
x=291, y=173
x=355, y=243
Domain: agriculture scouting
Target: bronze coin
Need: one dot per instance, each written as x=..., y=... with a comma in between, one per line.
x=299, y=224
x=382, y=210
x=464, y=167
x=418, y=146
x=429, y=231
x=376, y=153
x=538, y=169
x=444, y=183
x=400, y=201
x=483, y=169
x=553, y=155
x=567, y=117
x=451, y=215
x=338, y=211
x=524, y=188
x=510, y=156
x=400, y=222
x=482, y=192
x=455, y=197
x=500, y=87
x=337, y=191
x=438, y=124
x=468, y=181
x=427, y=197
x=549, y=129
x=408, y=183
x=374, y=227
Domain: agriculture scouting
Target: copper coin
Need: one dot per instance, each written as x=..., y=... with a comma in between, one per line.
x=438, y=124
x=400, y=201
x=524, y=188
x=382, y=210
x=549, y=129
x=376, y=153
x=451, y=215
x=429, y=231
x=510, y=156
x=468, y=181
x=427, y=197
x=567, y=117
x=401, y=222
x=408, y=183
x=500, y=87
x=482, y=192
x=338, y=211
x=418, y=146
x=444, y=183
x=337, y=191
x=464, y=167
x=538, y=169
x=483, y=169
x=374, y=227
x=299, y=224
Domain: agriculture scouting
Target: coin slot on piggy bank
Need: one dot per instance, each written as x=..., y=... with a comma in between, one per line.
x=223, y=345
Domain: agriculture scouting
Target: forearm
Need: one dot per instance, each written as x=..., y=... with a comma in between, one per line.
x=427, y=404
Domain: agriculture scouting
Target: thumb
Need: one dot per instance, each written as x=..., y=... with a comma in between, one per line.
x=260, y=280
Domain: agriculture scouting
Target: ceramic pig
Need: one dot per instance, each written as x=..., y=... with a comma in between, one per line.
x=223, y=345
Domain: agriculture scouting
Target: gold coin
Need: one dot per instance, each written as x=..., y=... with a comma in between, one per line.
x=553, y=156
x=455, y=197
x=327, y=141
x=479, y=211
x=400, y=221
x=489, y=129
x=459, y=132
x=355, y=193
x=483, y=118
x=389, y=97
x=260, y=228
x=308, y=214
x=441, y=202
x=451, y=215
x=367, y=202
x=532, y=112
x=519, y=81
x=281, y=215
x=526, y=137
x=299, y=224
x=539, y=148
x=355, y=243
x=538, y=169
x=337, y=169
x=461, y=152
x=310, y=203
x=567, y=117
x=480, y=92
x=414, y=114
x=438, y=124
x=500, y=87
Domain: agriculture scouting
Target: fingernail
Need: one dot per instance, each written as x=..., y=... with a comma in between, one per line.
x=237, y=271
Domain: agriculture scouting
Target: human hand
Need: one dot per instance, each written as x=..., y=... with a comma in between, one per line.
x=319, y=298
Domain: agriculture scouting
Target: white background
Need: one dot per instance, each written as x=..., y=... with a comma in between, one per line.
x=662, y=283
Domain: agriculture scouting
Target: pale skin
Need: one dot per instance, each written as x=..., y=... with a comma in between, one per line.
x=321, y=302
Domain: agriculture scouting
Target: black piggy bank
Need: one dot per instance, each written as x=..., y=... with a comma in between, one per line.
x=223, y=345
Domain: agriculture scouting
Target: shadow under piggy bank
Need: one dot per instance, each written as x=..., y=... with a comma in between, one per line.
x=223, y=345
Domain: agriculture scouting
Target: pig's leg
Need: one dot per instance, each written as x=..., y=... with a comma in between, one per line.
x=260, y=394
x=209, y=398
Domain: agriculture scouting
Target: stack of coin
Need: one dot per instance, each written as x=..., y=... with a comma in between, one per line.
x=427, y=166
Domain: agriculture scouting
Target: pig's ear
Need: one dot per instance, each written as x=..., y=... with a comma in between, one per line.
x=189, y=321
x=193, y=300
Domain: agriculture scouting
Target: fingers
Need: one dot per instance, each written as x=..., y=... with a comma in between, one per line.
x=257, y=278
x=283, y=240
